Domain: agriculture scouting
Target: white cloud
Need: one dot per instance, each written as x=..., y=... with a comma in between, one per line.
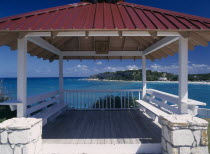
x=174, y=68
x=99, y=63
x=132, y=67
x=82, y=67
x=199, y=65
x=113, y=69
x=165, y=68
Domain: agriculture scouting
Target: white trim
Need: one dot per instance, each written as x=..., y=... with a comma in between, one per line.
x=103, y=33
x=135, y=33
x=37, y=34
x=160, y=44
x=72, y=33
x=168, y=34
x=183, y=74
x=144, y=77
x=44, y=44
x=93, y=53
x=22, y=77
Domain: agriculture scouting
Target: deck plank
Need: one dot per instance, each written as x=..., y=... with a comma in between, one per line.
x=101, y=127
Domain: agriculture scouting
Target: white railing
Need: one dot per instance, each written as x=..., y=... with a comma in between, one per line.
x=203, y=113
x=169, y=102
x=40, y=103
x=102, y=99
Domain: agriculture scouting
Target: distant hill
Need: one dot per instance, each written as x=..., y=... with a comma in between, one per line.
x=136, y=75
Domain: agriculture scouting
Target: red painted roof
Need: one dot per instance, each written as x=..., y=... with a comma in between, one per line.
x=103, y=16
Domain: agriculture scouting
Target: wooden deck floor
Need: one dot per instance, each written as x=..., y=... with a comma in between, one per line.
x=101, y=127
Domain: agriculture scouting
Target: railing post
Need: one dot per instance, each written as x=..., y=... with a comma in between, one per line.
x=61, y=79
x=22, y=77
x=183, y=74
x=144, y=75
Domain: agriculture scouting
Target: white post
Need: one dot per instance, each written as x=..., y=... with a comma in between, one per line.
x=144, y=77
x=61, y=79
x=22, y=77
x=183, y=74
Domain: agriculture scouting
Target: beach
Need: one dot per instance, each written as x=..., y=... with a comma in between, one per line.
x=200, y=82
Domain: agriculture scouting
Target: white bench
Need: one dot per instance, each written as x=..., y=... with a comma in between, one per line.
x=46, y=106
x=157, y=103
x=51, y=113
x=152, y=111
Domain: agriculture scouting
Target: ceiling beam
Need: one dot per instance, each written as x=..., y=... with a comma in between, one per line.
x=93, y=53
x=160, y=44
x=44, y=44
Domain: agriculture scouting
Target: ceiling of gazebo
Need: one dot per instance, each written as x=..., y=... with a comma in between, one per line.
x=107, y=17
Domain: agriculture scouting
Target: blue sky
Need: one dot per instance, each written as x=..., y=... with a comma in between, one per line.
x=198, y=59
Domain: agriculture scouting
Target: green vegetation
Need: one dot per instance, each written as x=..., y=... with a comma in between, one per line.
x=199, y=77
x=5, y=112
x=117, y=102
x=136, y=75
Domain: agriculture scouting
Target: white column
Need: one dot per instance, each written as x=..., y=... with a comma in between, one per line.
x=183, y=74
x=144, y=77
x=61, y=79
x=22, y=77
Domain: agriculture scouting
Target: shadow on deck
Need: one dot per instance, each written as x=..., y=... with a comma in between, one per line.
x=101, y=127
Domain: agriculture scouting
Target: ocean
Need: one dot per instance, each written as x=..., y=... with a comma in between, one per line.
x=200, y=92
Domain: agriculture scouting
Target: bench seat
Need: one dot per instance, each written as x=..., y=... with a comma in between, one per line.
x=51, y=112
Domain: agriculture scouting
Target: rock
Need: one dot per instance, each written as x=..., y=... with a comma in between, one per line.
x=184, y=150
x=35, y=131
x=163, y=143
x=165, y=133
x=19, y=137
x=172, y=150
x=200, y=150
x=182, y=137
x=5, y=149
x=183, y=121
x=204, y=138
x=29, y=149
x=197, y=135
x=17, y=150
x=4, y=137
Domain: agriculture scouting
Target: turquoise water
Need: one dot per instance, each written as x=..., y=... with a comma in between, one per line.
x=200, y=92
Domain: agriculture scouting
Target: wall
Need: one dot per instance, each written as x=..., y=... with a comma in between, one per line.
x=21, y=136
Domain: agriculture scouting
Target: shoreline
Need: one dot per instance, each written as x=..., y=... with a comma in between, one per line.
x=190, y=82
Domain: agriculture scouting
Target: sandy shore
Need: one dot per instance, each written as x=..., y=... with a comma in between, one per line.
x=208, y=83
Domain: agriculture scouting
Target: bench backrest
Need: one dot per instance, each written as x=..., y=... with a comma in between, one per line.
x=162, y=100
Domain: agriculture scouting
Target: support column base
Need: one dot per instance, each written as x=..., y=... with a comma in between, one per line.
x=184, y=134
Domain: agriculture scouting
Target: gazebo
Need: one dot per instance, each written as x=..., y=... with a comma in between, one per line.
x=105, y=31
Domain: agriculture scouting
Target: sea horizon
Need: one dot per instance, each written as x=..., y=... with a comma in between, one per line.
x=39, y=85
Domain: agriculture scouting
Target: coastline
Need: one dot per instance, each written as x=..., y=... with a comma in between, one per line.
x=190, y=82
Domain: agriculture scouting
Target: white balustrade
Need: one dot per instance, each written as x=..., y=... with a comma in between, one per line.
x=102, y=99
